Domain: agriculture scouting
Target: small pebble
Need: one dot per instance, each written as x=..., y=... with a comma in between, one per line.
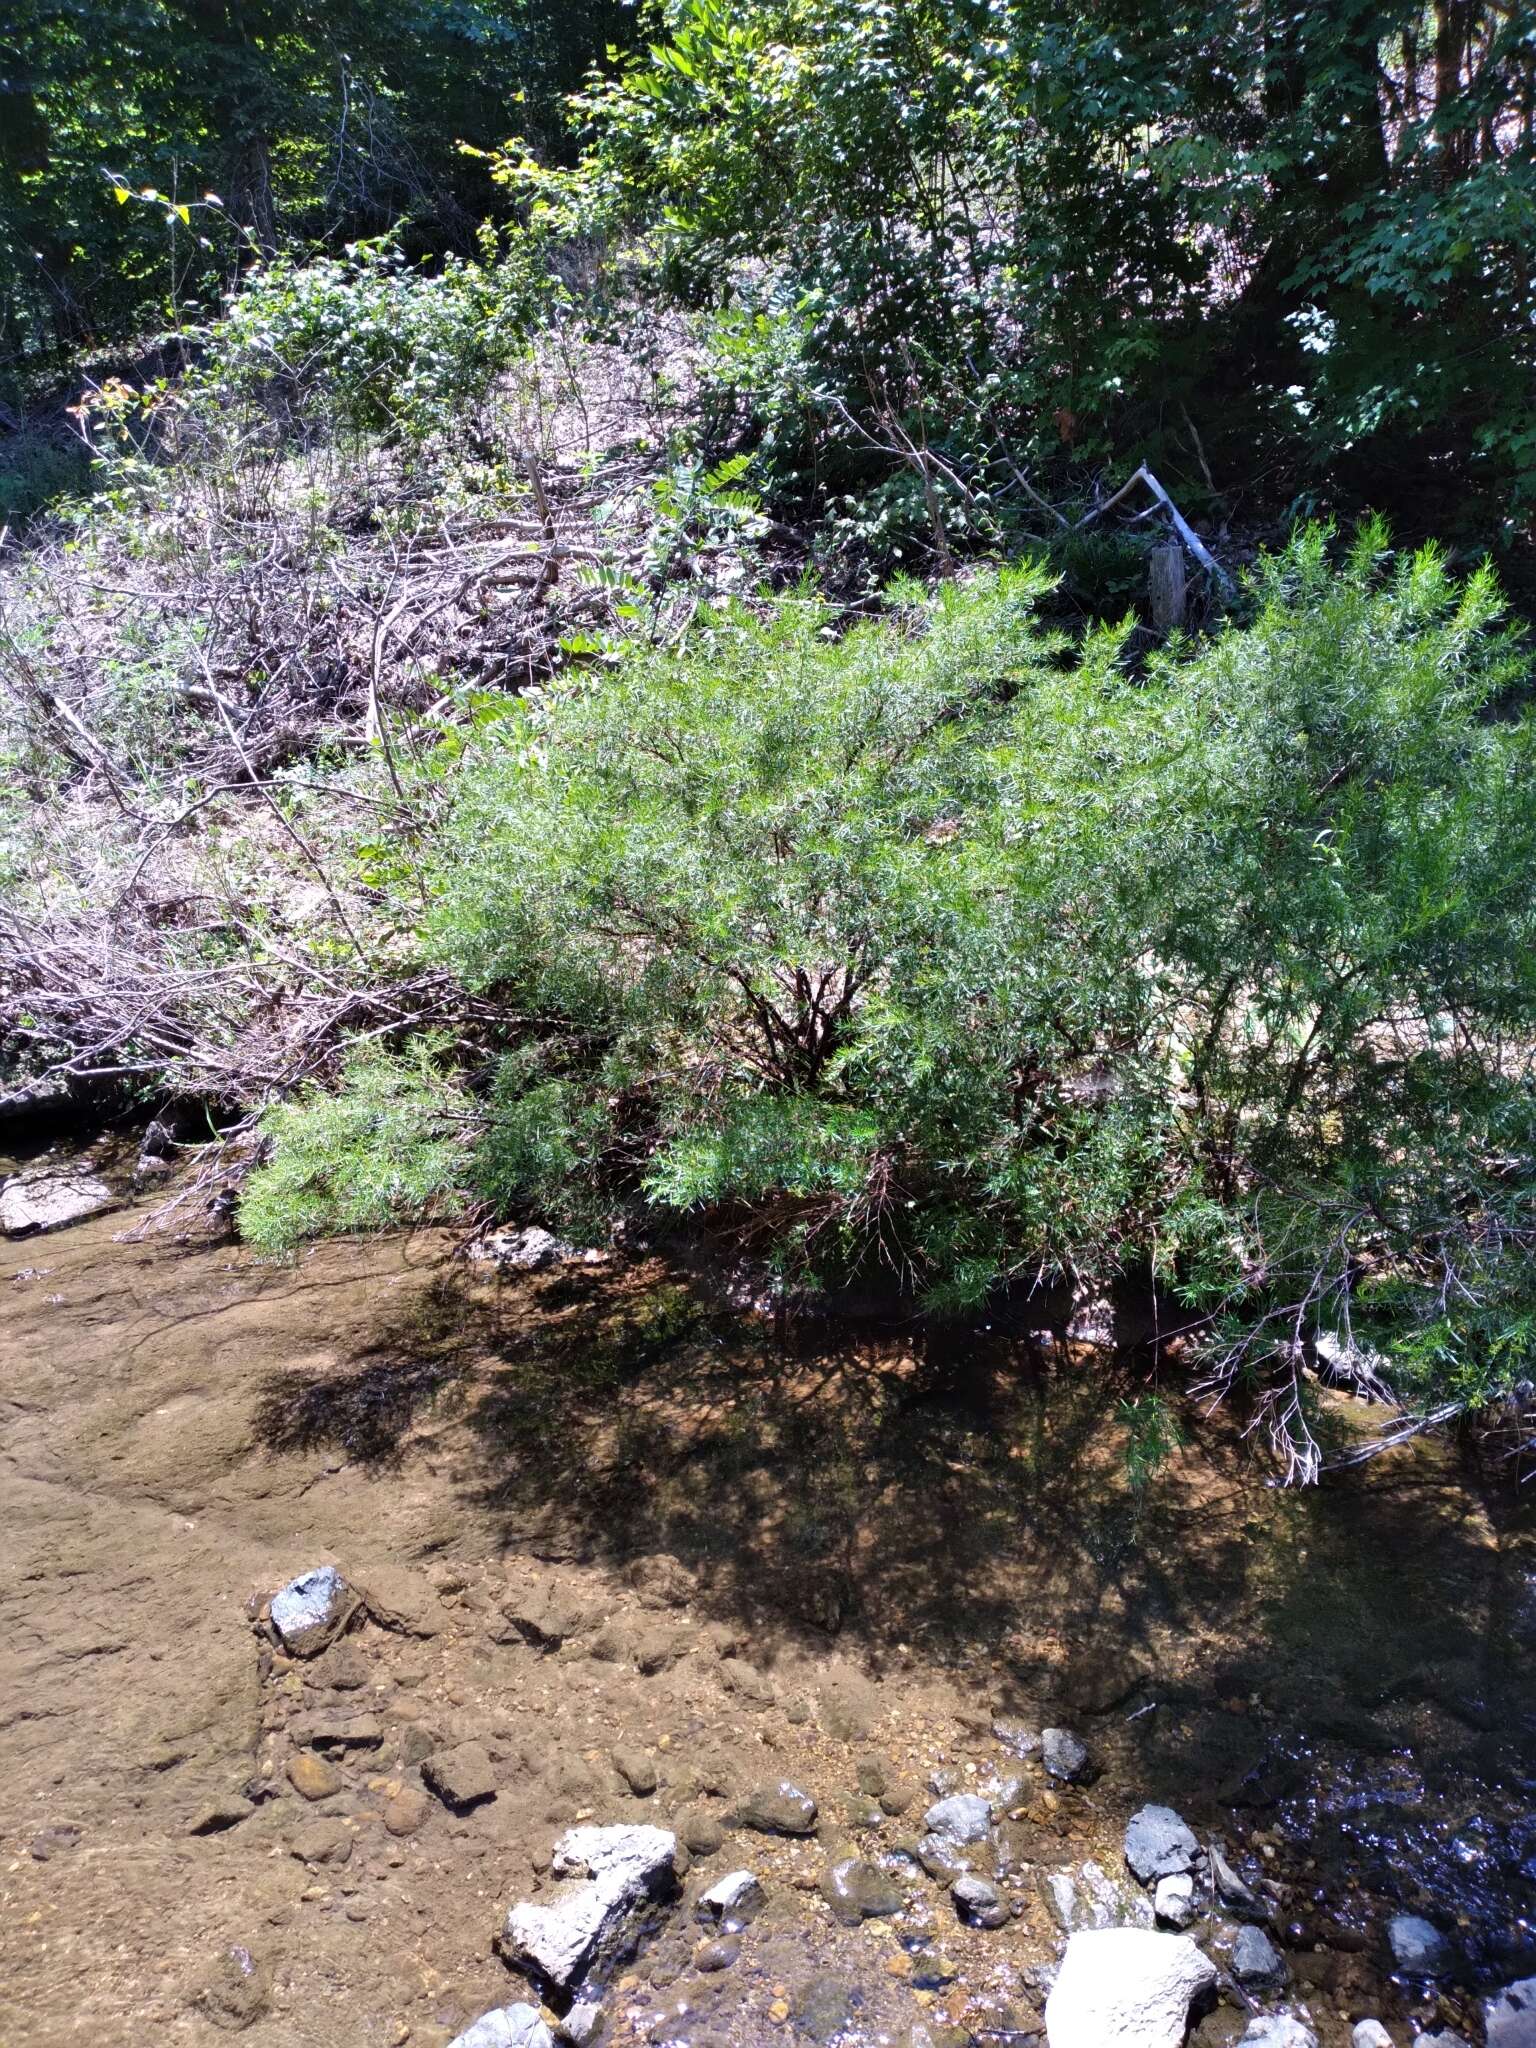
x=313, y=1777
x=711, y=1956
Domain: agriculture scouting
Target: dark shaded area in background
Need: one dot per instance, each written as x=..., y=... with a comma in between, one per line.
x=314, y=124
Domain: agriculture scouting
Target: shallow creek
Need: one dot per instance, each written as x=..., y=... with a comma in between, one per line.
x=805, y=1556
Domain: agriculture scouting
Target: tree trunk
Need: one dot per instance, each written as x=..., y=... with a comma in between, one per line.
x=237, y=40
x=1166, y=586
x=1451, y=25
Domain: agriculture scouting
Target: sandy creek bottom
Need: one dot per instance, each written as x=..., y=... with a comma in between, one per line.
x=776, y=1560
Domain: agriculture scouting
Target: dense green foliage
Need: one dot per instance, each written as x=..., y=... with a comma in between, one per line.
x=371, y=343
x=944, y=246
x=1273, y=247
x=309, y=123
x=930, y=951
x=384, y=1148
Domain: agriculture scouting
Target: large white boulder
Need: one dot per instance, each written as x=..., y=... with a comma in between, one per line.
x=1123, y=1987
x=509, y=2026
x=613, y=1877
x=1511, y=2017
x=1277, y=2030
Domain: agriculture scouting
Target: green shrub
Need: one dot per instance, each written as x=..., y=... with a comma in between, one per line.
x=378, y=344
x=925, y=948
x=387, y=1148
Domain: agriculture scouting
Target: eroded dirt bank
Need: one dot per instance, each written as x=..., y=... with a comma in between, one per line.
x=768, y=1561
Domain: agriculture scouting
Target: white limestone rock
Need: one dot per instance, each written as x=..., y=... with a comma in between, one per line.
x=613, y=1877
x=1511, y=2017
x=1123, y=1987
x=509, y=2026
x=49, y=1199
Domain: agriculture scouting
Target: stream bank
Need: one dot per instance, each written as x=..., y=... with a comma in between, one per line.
x=761, y=1557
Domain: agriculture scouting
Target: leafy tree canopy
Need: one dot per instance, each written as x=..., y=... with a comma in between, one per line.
x=1268, y=245
x=308, y=122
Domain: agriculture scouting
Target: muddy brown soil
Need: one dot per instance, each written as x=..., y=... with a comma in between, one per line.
x=772, y=1557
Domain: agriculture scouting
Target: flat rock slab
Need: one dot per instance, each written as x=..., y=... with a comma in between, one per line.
x=615, y=1878
x=461, y=1777
x=1122, y=1987
x=1511, y=2017
x=50, y=1199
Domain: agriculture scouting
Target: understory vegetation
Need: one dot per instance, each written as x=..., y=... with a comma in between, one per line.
x=933, y=949
x=794, y=642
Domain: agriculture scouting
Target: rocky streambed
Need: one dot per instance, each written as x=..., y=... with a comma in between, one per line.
x=397, y=1651
x=927, y=1904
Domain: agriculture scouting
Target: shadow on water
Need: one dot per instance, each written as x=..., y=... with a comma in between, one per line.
x=368, y=1406
x=1346, y=1668
x=889, y=1483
